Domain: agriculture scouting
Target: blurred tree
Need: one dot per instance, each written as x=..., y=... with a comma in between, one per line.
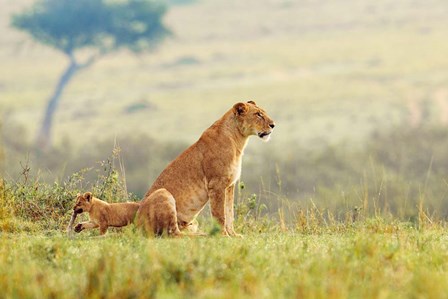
x=100, y=26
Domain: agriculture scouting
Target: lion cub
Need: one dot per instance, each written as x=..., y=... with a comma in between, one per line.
x=103, y=214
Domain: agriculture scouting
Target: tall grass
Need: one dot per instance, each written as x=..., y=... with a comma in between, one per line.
x=397, y=174
x=337, y=188
x=31, y=204
x=298, y=250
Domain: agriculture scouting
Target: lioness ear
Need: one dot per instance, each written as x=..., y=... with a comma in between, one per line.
x=88, y=196
x=252, y=102
x=240, y=109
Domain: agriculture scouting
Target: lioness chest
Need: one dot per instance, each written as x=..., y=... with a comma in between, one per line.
x=235, y=170
x=194, y=195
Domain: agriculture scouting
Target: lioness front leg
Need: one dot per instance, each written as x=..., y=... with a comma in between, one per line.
x=229, y=211
x=217, y=195
x=85, y=225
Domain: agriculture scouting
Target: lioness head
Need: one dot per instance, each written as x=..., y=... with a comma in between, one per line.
x=83, y=202
x=253, y=120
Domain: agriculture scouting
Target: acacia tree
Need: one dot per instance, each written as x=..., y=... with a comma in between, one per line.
x=96, y=26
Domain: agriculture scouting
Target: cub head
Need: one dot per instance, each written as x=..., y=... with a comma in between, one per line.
x=83, y=202
x=253, y=120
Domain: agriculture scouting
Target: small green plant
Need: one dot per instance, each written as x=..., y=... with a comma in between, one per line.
x=250, y=212
x=248, y=206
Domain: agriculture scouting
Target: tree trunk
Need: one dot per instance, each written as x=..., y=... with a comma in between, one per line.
x=44, y=135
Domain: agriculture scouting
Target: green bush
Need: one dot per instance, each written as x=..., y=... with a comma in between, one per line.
x=49, y=205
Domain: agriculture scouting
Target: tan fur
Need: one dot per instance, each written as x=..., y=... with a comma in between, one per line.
x=160, y=215
x=103, y=214
x=207, y=170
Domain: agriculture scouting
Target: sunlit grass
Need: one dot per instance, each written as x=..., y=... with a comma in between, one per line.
x=325, y=71
x=369, y=260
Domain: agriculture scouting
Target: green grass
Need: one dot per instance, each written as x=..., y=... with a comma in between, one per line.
x=297, y=252
x=301, y=253
x=328, y=72
x=372, y=259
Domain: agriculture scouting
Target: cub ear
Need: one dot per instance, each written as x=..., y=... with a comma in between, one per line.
x=252, y=102
x=240, y=108
x=88, y=196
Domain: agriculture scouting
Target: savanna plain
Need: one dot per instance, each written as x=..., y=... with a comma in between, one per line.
x=347, y=200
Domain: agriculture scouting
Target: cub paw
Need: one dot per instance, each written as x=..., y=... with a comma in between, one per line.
x=78, y=228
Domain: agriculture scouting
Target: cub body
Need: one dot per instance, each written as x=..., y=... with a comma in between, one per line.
x=103, y=214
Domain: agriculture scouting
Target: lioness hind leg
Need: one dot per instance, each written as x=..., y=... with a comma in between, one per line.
x=158, y=214
x=174, y=232
x=165, y=225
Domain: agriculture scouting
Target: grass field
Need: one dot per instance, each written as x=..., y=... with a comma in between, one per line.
x=338, y=77
x=373, y=259
x=313, y=254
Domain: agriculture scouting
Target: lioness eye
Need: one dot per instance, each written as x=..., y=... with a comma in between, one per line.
x=259, y=114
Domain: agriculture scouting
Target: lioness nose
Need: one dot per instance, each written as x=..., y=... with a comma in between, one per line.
x=272, y=125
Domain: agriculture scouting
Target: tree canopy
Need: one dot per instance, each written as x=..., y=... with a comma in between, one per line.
x=100, y=25
x=68, y=25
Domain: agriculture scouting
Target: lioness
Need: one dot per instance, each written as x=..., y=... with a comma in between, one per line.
x=207, y=170
x=103, y=214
